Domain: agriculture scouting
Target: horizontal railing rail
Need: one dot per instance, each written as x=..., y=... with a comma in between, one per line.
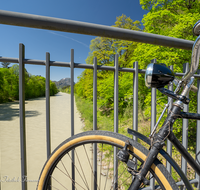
x=79, y=65
x=64, y=25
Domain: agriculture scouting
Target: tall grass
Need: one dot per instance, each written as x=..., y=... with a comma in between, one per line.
x=85, y=107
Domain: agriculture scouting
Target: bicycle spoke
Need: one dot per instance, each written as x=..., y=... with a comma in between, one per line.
x=77, y=169
x=100, y=167
x=74, y=182
x=115, y=175
x=121, y=174
x=58, y=182
x=82, y=170
x=90, y=165
x=68, y=174
x=107, y=174
x=125, y=180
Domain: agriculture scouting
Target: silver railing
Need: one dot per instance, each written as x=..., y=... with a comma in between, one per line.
x=35, y=21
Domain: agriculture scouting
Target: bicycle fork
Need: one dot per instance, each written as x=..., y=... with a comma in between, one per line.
x=157, y=144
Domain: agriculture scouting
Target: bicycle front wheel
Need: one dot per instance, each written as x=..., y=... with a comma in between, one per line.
x=71, y=165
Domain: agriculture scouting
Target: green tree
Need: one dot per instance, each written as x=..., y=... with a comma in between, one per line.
x=5, y=64
x=175, y=19
x=53, y=88
x=9, y=85
x=105, y=49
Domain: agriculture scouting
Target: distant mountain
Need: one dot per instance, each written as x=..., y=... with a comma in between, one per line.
x=63, y=82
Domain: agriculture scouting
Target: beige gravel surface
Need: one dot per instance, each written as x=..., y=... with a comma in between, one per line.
x=36, y=137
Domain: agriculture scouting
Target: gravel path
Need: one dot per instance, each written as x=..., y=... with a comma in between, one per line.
x=10, y=170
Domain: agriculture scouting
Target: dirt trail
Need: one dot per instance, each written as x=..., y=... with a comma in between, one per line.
x=10, y=169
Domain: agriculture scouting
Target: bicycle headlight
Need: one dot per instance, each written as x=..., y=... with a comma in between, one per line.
x=158, y=76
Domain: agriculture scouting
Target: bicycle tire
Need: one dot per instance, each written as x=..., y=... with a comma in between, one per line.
x=158, y=171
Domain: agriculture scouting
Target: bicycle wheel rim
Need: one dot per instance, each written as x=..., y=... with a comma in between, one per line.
x=67, y=146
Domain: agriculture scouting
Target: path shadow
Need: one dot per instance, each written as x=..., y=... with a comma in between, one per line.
x=7, y=112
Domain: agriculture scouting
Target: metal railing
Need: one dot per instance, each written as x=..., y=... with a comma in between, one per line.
x=34, y=21
x=22, y=61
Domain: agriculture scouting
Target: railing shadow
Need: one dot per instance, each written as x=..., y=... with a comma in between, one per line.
x=10, y=110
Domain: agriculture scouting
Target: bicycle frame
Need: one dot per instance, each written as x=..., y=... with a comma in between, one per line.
x=184, y=153
x=164, y=133
x=166, y=156
x=176, y=142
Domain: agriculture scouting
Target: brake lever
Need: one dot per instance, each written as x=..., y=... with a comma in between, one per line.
x=193, y=88
x=174, y=96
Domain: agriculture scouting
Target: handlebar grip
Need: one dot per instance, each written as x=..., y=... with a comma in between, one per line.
x=196, y=28
x=194, y=89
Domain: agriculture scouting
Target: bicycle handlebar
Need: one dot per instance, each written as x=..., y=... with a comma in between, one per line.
x=196, y=28
x=195, y=54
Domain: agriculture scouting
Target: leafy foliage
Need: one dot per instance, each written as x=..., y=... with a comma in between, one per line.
x=175, y=19
x=165, y=17
x=9, y=85
x=5, y=64
x=105, y=49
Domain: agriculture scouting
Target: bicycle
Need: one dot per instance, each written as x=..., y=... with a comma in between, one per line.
x=136, y=165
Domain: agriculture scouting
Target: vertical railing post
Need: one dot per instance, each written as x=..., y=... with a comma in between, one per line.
x=135, y=98
x=72, y=92
x=115, y=120
x=48, y=132
x=169, y=144
x=116, y=95
x=95, y=123
x=185, y=128
x=95, y=94
x=22, y=115
x=153, y=119
x=135, y=103
x=72, y=114
x=198, y=129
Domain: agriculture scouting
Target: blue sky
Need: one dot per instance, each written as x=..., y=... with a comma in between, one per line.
x=37, y=42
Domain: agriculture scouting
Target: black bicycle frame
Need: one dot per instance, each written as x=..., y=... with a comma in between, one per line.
x=158, y=142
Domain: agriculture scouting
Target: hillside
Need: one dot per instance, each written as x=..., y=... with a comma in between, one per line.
x=63, y=82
